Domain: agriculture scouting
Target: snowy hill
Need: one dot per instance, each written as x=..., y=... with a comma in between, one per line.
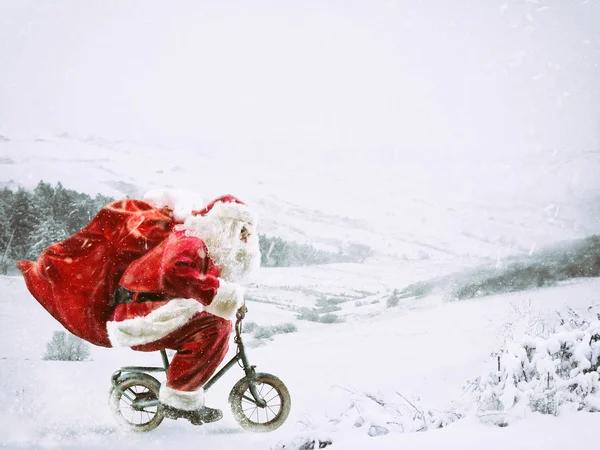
x=426, y=349
x=443, y=135
x=404, y=209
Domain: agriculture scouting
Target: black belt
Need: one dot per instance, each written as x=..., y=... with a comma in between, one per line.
x=123, y=296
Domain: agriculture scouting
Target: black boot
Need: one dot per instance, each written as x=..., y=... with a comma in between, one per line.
x=196, y=416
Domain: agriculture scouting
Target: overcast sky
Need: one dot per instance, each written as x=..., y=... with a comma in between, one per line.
x=460, y=77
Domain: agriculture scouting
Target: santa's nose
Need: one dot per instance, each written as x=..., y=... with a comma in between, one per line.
x=245, y=234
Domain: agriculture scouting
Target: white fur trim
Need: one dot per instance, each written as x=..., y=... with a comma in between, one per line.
x=227, y=301
x=153, y=326
x=181, y=202
x=235, y=258
x=186, y=400
x=234, y=211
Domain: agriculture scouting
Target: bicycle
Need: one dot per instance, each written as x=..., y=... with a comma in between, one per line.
x=133, y=396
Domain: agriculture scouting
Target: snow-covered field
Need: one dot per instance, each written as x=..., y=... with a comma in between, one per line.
x=426, y=349
x=443, y=135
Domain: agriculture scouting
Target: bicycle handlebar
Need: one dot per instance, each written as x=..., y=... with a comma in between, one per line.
x=240, y=315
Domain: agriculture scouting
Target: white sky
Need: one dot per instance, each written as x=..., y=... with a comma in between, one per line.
x=458, y=77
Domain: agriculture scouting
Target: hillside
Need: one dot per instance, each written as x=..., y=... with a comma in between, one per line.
x=422, y=209
x=427, y=349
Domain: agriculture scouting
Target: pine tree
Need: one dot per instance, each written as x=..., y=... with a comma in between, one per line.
x=22, y=222
x=43, y=195
x=82, y=209
x=47, y=232
x=5, y=241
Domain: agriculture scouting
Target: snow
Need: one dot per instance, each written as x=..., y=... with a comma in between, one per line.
x=474, y=146
x=425, y=351
x=413, y=209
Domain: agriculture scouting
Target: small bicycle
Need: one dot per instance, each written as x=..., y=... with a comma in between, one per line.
x=259, y=402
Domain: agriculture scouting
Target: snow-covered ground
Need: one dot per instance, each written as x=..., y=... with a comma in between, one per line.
x=419, y=229
x=417, y=226
x=427, y=349
x=443, y=135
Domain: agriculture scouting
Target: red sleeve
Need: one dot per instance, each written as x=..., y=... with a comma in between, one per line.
x=178, y=267
x=185, y=269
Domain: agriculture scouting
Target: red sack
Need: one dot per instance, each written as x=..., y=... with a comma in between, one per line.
x=74, y=280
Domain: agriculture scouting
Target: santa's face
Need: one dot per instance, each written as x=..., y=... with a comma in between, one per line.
x=232, y=244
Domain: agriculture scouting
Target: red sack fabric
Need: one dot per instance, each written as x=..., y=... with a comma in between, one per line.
x=74, y=280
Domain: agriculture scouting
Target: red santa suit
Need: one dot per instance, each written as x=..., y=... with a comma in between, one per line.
x=190, y=271
x=195, y=271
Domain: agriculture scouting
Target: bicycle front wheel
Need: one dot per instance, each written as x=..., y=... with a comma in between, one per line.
x=256, y=418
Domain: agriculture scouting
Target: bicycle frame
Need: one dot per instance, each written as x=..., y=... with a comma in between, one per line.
x=239, y=356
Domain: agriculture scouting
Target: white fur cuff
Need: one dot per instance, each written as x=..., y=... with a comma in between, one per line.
x=186, y=400
x=229, y=298
x=153, y=326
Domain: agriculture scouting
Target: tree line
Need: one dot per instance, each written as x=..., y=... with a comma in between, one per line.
x=32, y=220
x=549, y=267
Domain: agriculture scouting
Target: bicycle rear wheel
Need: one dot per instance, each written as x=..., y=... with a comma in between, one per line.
x=123, y=403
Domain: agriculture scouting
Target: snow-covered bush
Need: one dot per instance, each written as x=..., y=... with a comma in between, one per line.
x=268, y=331
x=330, y=318
x=542, y=373
x=66, y=347
x=379, y=414
x=249, y=327
x=369, y=414
x=313, y=315
x=393, y=299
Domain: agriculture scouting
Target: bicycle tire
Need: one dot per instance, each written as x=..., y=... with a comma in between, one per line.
x=241, y=401
x=124, y=410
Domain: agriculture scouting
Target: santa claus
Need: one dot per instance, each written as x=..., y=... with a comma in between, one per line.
x=138, y=278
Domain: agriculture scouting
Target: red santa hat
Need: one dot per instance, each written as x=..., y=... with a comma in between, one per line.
x=227, y=207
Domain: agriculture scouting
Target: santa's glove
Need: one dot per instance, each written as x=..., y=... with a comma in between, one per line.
x=229, y=298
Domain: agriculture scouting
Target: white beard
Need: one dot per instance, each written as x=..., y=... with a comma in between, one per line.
x=235, y=258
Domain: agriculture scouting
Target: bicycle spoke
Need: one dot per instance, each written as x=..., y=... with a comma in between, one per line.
x=126, y=404
x=251, y=400
x=274, y=397
x=135, y=390
x=267, y=393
